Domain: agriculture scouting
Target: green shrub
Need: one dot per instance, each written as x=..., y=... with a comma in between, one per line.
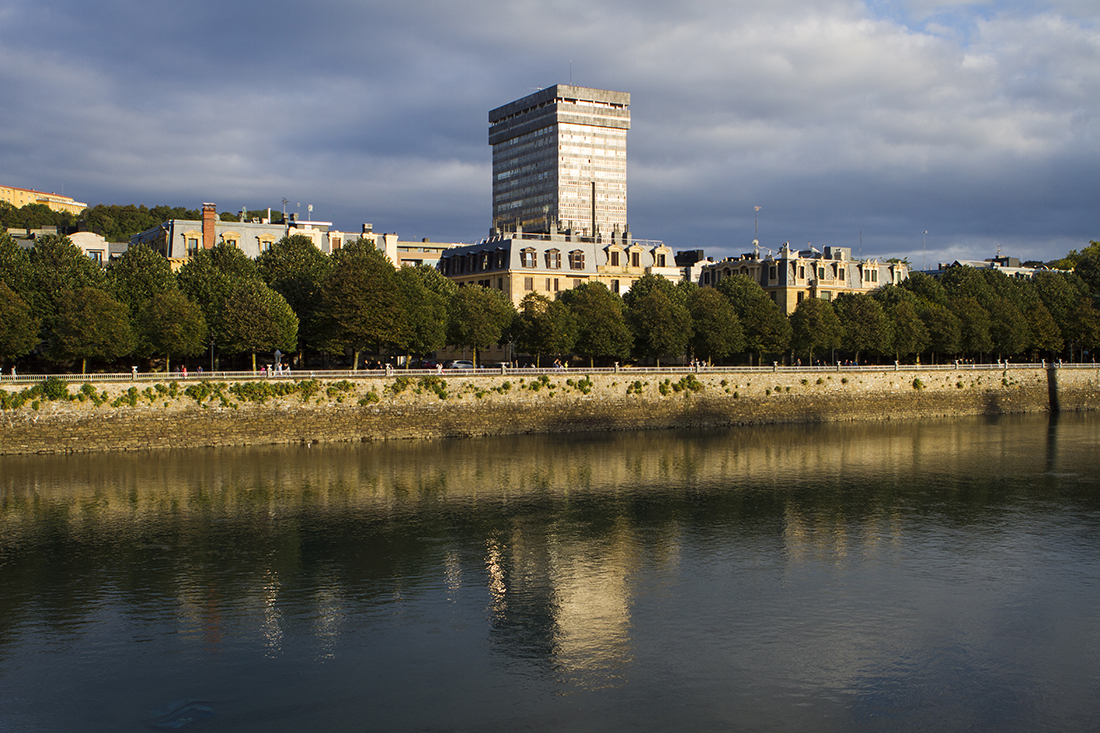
x=55, y=389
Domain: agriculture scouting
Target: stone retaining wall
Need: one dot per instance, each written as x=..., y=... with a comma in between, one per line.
x=122, y=416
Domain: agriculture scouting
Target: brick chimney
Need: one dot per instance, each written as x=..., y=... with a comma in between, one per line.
x=209, y=220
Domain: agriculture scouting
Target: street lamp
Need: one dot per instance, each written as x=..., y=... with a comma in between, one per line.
x=925, y=233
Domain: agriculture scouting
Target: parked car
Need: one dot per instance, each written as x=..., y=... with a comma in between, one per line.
x=458, y=364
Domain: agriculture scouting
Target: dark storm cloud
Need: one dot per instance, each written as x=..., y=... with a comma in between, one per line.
x=975, y=122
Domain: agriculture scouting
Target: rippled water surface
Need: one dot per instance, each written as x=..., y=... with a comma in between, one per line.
x=877, y=577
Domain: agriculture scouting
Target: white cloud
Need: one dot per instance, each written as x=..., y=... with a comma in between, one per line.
x=926, y=115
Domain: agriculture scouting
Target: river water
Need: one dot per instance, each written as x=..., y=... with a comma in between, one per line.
x=859, y=577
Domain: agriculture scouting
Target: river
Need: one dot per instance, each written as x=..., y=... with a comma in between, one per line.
x=888, y=576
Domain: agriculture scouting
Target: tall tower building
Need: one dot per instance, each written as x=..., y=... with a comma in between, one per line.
x=559, y=161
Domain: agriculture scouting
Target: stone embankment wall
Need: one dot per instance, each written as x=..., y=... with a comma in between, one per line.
x=189, y=413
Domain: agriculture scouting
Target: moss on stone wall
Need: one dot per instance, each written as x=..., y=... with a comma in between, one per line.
x=48, y=417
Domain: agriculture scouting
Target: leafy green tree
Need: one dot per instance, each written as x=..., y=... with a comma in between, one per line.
x=767, y=329
x=295, y=269
x=90, y=324
x=15, y=265
x=974, y=325
x=967, y=282
x=545, y=326
x=434, y=280
x=661, y=326
x=18, y=326
x=423, y=322
x=815, y=327
x=944, y=328
x=650, y=283
x=361, y=305
x=58, y=267
x=865, y=325
x=1088, y=268
x=1045, y=334
x=926, y=288
x=910, y=334
x=1085, y=330
x=256, y=318
x=479, y=317
x=1007, y=328
x=1061, y=294
x=602, y=328
x=171, y=324
x=716, y=330
x=138, y=275
x=209, y=278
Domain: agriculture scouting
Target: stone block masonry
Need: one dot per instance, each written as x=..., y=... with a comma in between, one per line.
x=190, y=413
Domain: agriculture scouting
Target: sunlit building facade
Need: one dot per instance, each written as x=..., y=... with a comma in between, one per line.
x=791, y=276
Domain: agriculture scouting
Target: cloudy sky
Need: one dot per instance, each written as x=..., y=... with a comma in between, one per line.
x=843, y=120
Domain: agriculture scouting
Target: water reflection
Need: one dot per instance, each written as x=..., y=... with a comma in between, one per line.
x=619, y=566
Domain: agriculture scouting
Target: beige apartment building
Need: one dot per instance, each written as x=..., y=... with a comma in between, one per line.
x=20, y=197
x=790, y=276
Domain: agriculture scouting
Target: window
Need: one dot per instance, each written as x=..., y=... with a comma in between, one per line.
x=528, y=284
x=614, y=258
x=801, y=295
x=555, y=285
x=841, y=273
x=527, y=258
x=821, y=273
x=96, y=256
x=576, y=282
x=874, y=276
x=615, y=286
x=660, y=260
x=801, y=272
x=192, y=246
x=576, y=260
x=500, y=284
x=548, y=285
x=771, y=273
x=553, y=259
x=635, y=259
x=501, y=259
x=486, y=261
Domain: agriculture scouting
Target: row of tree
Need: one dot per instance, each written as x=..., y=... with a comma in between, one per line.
x=56, y=302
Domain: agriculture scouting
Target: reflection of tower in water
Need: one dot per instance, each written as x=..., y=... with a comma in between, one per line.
x=561, y=596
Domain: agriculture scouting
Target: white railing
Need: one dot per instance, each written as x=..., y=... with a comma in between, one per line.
x=338, y=374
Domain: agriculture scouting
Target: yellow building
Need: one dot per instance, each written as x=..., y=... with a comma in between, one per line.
x=20, y=197
x=523, y=263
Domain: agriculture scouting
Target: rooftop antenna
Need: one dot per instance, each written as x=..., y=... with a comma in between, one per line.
x=925, y=232
x=861, y=244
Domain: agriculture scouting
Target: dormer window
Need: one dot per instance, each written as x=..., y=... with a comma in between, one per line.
x=553, y=259
x=528, y=257
x=576, y=260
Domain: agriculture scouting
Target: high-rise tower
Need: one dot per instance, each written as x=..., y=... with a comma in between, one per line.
x=559, y=161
